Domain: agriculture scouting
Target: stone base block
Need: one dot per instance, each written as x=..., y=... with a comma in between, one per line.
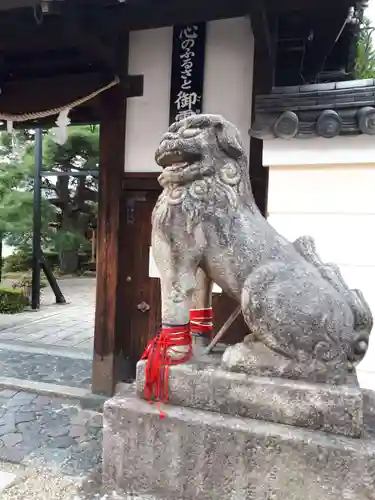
x=193, y=454
x=204, y=386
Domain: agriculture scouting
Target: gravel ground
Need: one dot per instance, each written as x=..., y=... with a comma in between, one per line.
x=49, y=484
x=40, y=485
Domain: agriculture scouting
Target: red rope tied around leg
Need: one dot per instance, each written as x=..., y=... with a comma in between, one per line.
x=201, y=322
x=161, y=353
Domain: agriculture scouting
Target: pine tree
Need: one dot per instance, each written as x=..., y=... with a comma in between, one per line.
x=365, y=60
x=68, y=203
x=74, y=198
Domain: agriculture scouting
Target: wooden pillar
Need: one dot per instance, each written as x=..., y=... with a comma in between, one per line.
x=259, y=174
x=93, y=246
x=111, y=172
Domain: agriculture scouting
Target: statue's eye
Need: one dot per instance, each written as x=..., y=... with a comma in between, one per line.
x=190, y=132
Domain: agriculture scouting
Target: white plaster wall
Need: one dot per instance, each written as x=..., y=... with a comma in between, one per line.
x=147, y=117
x=336, y=205
x=227, y=85
x=351, y=150
x=228, y=81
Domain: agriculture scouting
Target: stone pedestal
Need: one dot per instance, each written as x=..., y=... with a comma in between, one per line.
x=201, y=450
x=204, y=385
x=194, y=454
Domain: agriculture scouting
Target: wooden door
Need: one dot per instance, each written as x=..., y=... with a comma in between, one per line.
x=139, y=295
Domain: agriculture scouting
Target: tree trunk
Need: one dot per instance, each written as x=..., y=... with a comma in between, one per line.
x=69, y=261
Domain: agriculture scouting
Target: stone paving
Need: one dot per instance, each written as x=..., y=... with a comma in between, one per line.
x=39, y=430
x=47, y=368
x=50, y=346
x=70, y=325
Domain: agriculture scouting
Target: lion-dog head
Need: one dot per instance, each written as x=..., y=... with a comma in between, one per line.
x=204, y=169
x=200, y=140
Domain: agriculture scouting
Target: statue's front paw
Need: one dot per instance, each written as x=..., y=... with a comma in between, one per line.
x=234, y=358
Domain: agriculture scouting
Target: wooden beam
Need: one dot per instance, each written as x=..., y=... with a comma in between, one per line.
x=48, y=93
x=137, y=181
x=261, y=29
x=265, y=44
x=111, y=172
x=24, y=35
x=259, y=175
x=152, y=14
x=17, y=4
x=99, y=42
x=85, y=35
x=305, y=5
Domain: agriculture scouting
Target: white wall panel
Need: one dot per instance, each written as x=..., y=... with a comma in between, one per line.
x=335, y=205
x=354, y=150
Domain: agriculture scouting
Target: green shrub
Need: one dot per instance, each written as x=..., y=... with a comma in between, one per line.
x=12, y=301
x=16, y=262
x=25, y=282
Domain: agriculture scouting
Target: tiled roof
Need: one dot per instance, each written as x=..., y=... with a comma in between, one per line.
x=327, y=109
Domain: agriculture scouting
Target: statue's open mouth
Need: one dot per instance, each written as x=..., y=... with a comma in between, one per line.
x=176, y=159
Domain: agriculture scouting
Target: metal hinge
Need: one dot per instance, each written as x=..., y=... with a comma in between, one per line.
x=130, y=206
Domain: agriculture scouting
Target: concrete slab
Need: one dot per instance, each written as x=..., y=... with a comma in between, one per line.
x=84, y=396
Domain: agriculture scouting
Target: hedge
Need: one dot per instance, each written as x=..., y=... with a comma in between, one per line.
x=19, y=261
x=12, y=301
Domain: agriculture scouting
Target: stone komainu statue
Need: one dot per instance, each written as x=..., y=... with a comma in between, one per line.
x=305, y=322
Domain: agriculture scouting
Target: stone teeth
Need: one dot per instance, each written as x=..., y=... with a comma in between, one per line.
x=177, y=166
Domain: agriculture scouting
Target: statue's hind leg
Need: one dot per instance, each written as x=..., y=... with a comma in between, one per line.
x=363, y=319
x=259, y=353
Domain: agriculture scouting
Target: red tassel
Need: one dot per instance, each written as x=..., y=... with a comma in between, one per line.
x=201, y=321
x=158, y=355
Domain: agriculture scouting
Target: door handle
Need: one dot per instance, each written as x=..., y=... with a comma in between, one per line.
x=143, y=307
